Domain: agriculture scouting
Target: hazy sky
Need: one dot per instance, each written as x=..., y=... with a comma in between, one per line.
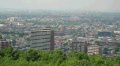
x=62, y=4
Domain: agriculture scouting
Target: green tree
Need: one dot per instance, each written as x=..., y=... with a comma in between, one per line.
x=116, y=49
x=105, y=51
x=78, y=55
x=13, y=41
x=32, y=55
x=2, y=54
x=15, y=54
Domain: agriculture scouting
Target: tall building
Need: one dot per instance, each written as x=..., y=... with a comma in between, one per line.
x=4, y=43
x=80, y=46
x=94, y=49
x=12, y=19
x=62, y=28
x=42, y=39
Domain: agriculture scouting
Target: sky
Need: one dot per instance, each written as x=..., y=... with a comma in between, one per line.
x=111, y=5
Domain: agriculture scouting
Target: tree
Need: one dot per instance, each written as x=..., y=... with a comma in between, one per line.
x=15, y=54
x=13, y=42
x=105, y=51
x=32, y=55
x=2, y=54
x=78, y=55
x=116, y=49
x=28, y=39
x=8, y=51
x=65, y=43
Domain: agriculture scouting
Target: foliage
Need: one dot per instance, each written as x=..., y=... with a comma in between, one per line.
x=10, y=57
x=105, y=51
x=28, y=39
x=13, y=41
x=116, y=49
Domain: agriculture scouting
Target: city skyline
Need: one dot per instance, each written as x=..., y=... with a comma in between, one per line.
x=103, y=5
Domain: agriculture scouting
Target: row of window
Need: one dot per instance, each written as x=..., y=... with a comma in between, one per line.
x=39, y=31
x=40, y=42
x=40, y=35
x=40, y=39
x=42, y=46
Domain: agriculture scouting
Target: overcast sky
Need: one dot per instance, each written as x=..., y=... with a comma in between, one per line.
x=62, y=4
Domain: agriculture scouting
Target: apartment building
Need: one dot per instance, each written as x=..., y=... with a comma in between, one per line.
x=80, y=46
x=4, y=43
x=42, y=39
x=93, y=49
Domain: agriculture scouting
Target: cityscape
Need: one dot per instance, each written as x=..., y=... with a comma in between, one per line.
x=59, y=37
x=88, y=32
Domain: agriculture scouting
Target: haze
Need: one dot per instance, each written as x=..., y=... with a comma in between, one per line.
x=105, y=5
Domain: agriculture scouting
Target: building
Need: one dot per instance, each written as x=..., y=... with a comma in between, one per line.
x=109, y=43
x=4, y=43
x=93, y=49
x=117, y=32
x=22, y=45
x=11, y=19
x=80, y=46
x=62, y=28
x=58, y=33
x=42, y=39
x=105, y=33
x=14, y=19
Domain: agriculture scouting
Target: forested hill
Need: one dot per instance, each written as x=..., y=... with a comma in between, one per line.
x=10, y=57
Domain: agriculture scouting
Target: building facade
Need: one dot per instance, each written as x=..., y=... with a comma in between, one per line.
x=94, y=49
x=42, y=39
x=80, y=46
x=62, y=28
x=4, y=43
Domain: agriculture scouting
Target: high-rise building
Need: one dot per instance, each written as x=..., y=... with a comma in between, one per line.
x=42, y=39
x=12, y=19
x=4, y=43
x=80, y=46
x=94, y=49
x=62, y=28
